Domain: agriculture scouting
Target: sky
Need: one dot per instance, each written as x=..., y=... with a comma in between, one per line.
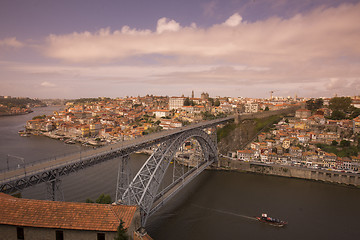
x=234, y=48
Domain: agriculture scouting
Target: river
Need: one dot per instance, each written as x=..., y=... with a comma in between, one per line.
x=216, y=205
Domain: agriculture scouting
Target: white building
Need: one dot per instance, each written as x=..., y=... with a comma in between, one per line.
x=251, y=107
x=161, y=113
x=176, y=102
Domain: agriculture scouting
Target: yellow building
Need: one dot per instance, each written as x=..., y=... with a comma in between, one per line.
x=300, y=125
x=85, y=130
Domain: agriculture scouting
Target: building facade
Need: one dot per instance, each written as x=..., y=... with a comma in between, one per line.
x=176, y=102
x=50, y=220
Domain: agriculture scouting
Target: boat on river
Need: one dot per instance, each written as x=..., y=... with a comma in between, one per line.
x=271, y=221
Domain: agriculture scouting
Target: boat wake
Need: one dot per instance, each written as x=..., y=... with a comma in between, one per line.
x=225, y=212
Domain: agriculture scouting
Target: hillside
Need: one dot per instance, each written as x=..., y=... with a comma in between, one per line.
x=233, y=136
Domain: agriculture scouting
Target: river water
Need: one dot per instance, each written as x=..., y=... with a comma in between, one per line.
x=216, y=205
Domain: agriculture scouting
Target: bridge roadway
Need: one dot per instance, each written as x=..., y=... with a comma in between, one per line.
x=35, y=171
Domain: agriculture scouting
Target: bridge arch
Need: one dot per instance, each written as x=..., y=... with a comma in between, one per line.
x=144, y=188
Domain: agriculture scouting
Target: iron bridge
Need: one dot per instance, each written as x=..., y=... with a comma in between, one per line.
x=145, y=189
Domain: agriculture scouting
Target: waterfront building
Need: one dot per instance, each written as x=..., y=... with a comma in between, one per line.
x=245, y=155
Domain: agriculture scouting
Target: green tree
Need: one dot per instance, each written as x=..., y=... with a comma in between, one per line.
x=187, y=102
x=334, y=143
x=39, y=117
x=314, y=104
x=207, y=116
x=337, y=115
x=217, y=103
x=267, y=108
x=355, y=112
x=340, y=103
x=319, y=102
x=211, y=100
x=345, y=143
x=121, y=232
x=104, y=199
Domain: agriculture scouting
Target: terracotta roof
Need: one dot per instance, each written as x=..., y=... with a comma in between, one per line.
x=63, y=215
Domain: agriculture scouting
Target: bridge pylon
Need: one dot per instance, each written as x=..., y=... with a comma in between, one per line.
x=54, y=190
x=123, y=179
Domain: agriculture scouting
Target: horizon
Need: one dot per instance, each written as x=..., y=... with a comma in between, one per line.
x=82, y=49
x=274, y=98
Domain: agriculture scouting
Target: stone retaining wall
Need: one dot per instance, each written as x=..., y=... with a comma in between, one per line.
x=265, y=114
x=352, y=179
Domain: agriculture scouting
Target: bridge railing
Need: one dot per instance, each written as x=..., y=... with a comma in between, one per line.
x=48, y=159
x=27, y=173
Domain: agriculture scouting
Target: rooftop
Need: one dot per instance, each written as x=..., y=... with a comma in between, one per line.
x=63, y=215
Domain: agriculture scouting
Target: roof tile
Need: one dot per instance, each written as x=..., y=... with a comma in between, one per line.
x=64, y=215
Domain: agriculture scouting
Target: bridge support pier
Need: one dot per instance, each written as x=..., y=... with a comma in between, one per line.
x=123, y=179
x=54, y=190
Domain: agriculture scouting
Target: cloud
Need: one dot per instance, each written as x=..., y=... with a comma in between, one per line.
x=335, y=83
x=48, y=84
x=165, y=24
x=234, y=20
x=312, y=48
x=320, y=34
x=11, y=42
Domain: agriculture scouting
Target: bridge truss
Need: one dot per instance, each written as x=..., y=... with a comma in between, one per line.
x=144, y=190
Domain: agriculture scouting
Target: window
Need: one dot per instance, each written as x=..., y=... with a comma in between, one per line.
x=20, y=233
x=59, y=235
x=101, y=236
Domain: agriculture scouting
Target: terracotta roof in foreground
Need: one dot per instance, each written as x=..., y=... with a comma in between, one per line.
x=63, y=215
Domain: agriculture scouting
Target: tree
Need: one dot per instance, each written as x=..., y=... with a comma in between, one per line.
x=319, y=102
x=104, y=199
x=334, y=143
x=314, y=104
x=187, y=102
x=121, y=232
x=355, y=112
x=340, y=104
x=345, y=143
x=39, y=117
x=217, y=103
x=211, y=100
x=266, y=108
x=337, y=115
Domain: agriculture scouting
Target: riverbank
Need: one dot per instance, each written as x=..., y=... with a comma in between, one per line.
x=9, y=114
x=322, y=175
x=70, y=139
